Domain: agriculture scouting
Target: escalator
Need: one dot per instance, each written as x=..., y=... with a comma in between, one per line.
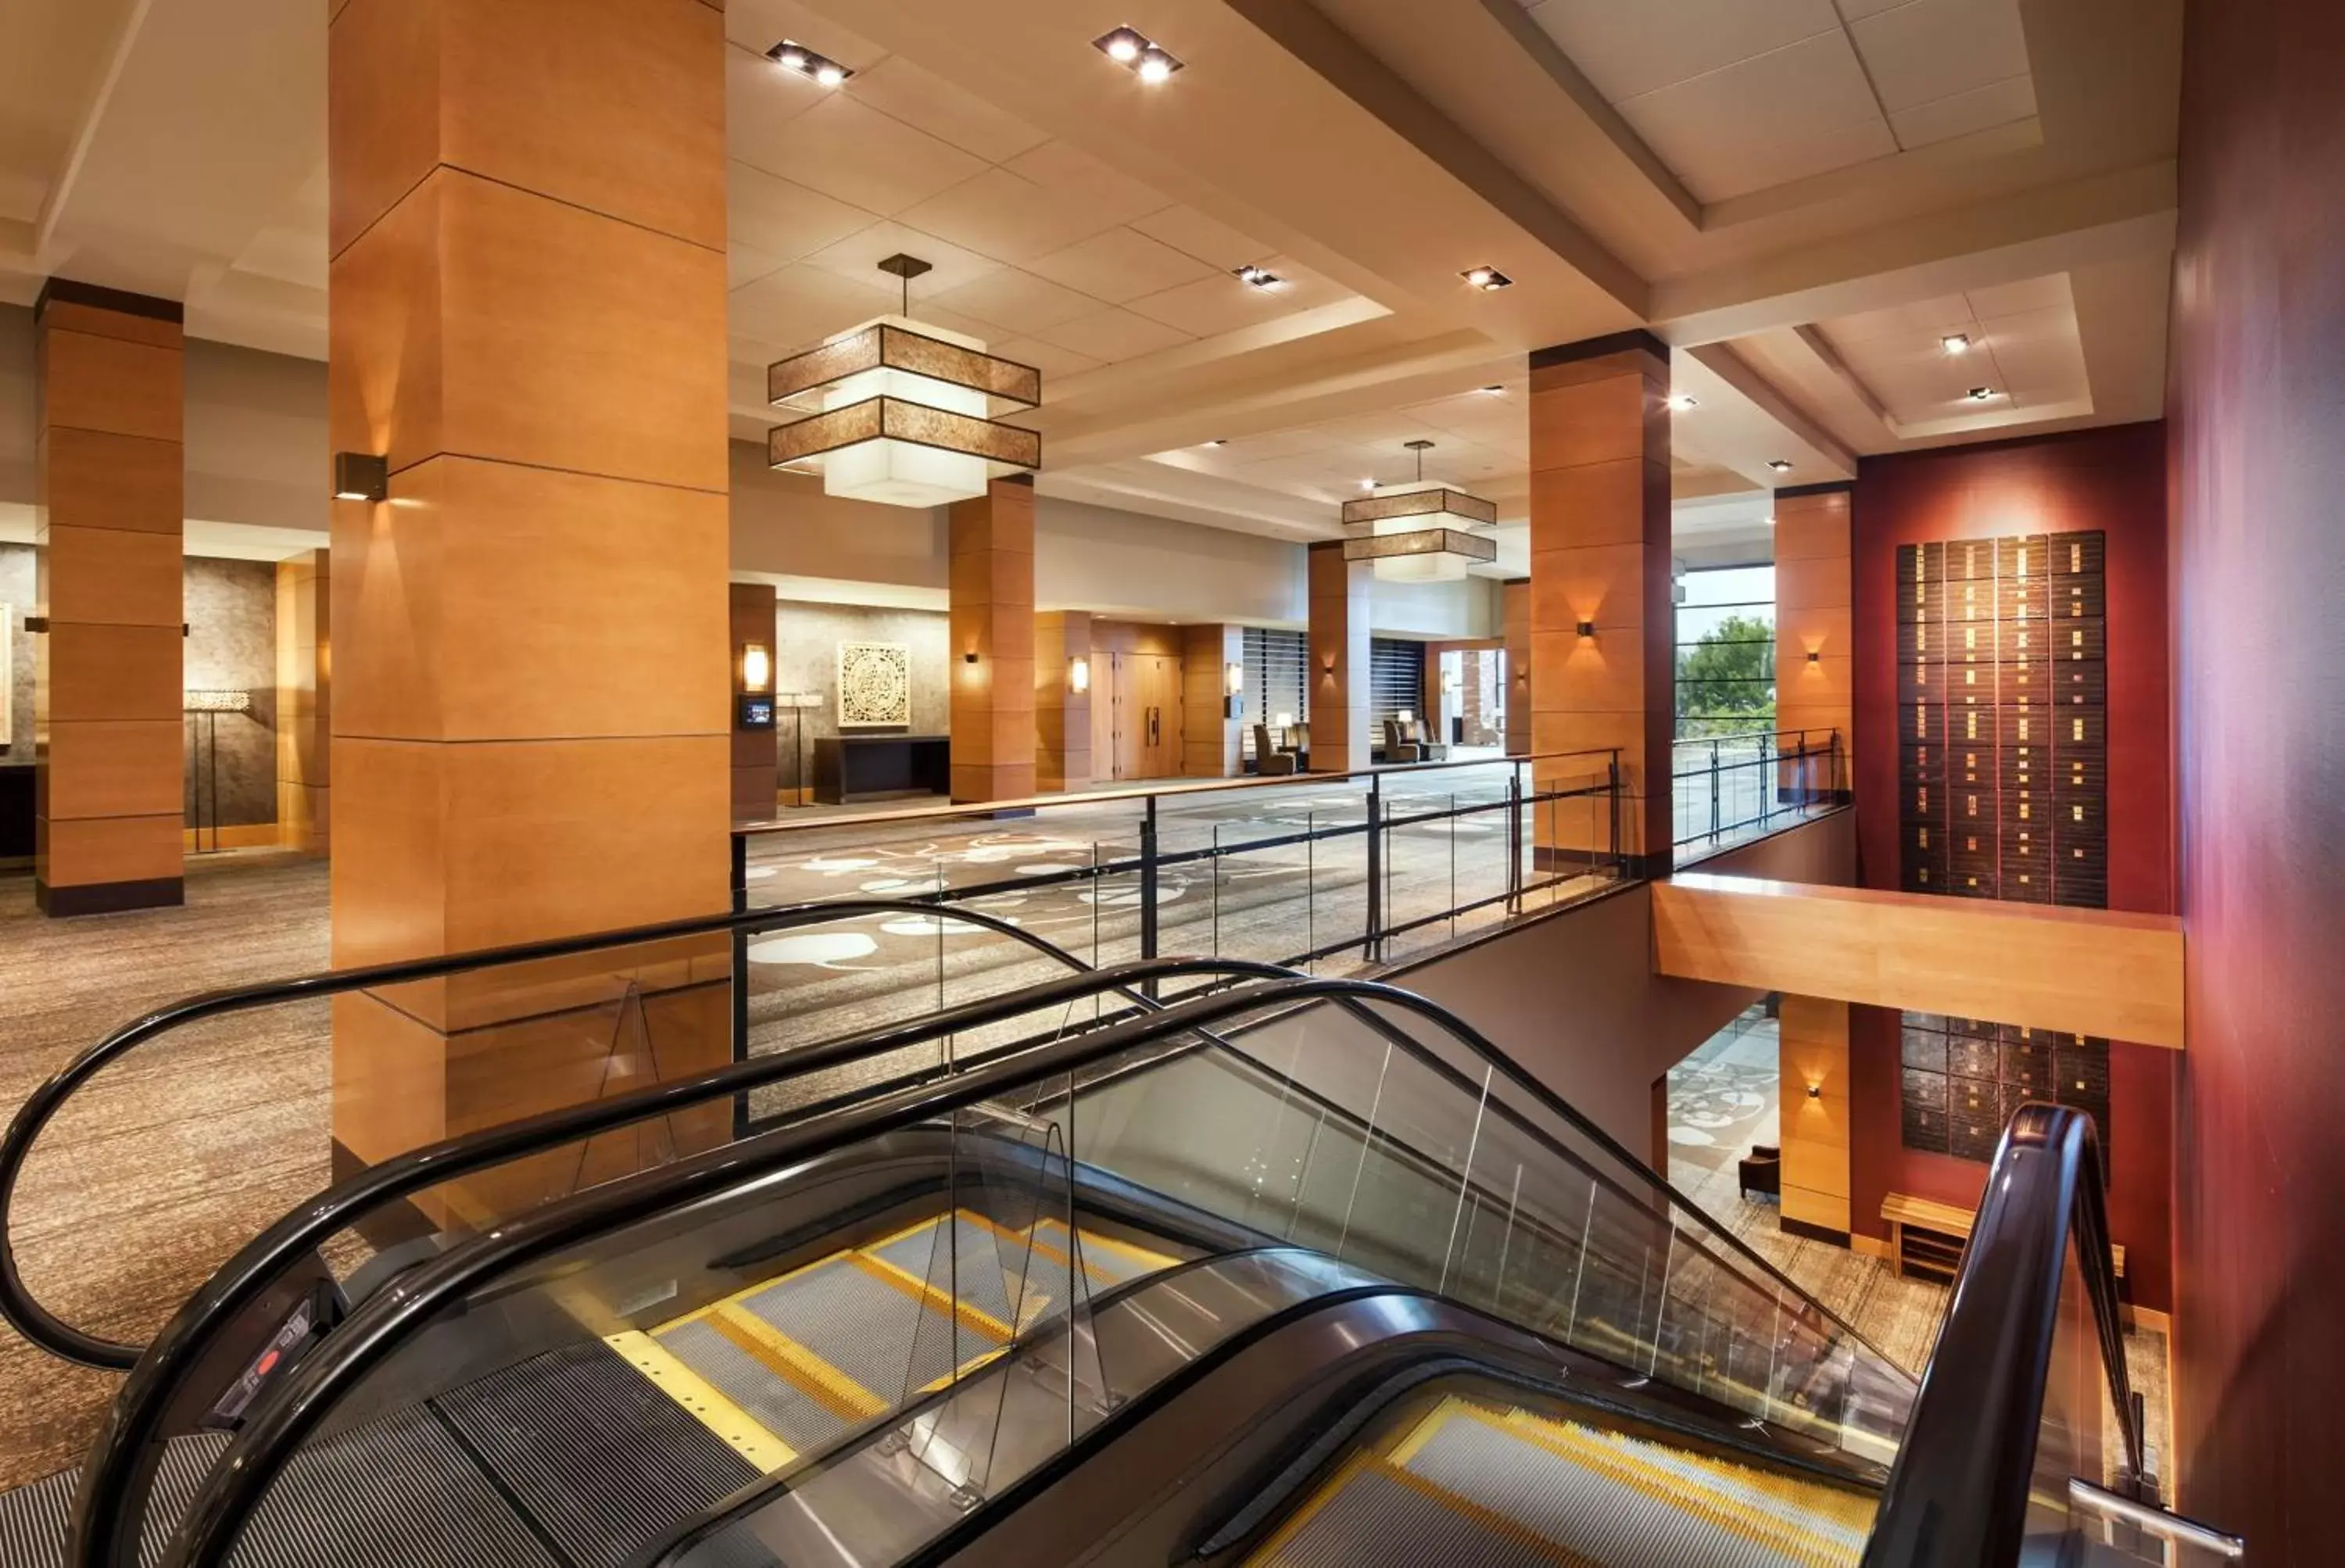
x=1286, y=1271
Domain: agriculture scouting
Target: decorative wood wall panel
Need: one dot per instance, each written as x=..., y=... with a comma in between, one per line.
x=1964, y=1077
x=2002, y=705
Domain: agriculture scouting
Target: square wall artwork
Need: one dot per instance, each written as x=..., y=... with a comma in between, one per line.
x=874, y=683
x=1965, y=1078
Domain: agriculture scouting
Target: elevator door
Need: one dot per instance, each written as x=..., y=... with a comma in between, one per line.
x=1147, y=716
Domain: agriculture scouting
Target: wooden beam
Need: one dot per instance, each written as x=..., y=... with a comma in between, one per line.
x=2087, y=972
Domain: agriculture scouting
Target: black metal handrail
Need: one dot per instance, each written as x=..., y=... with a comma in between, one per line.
x=291, y=1412
x=1771, y=753
x=25, y=1314
x=1958, y=1493
x=112, y=1493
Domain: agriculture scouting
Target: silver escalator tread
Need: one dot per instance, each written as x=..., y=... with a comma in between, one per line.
x=778, y=1405
x=885, y=1340
x=398, y=1492
x=967, y=1260
x=1374, y=1518
x=1658, y=1520
x=598, y=1455
x=32, y=1518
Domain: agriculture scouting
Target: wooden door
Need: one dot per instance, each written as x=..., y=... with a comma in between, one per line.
x=1158, y=716
x=1142, y=715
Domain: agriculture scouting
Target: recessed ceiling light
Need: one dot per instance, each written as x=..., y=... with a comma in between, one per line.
x=1956, y=342
x=1143, y=55
x=1981, y=394
x=1494, y=391
x=793, y=55
x=1259, y=277
x=1487, y=279
x=1367, y=484
x=1680, y=402
x=1779, y=464
x=1217, y=440
x=1770, y=522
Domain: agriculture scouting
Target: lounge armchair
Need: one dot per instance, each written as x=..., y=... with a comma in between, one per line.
x=1762, y=1172
x=1397, y=747
x=1268, y=760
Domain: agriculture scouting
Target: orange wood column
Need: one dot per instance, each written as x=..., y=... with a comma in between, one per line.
x=1600, y=445
x=107, y=691
x=304, y=701
x=527, y=233
x=1209, y=736
x=757, y=753
x=1812, y=1055
x=993, y=731
x=1063, y=714
x=1515, y=606
x=1814, y=589
x=1338, y=673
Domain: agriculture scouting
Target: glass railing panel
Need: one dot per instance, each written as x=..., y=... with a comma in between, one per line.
x=2080, y=1434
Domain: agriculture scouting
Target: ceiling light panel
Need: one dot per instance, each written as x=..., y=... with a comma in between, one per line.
x=1138, y=53
x=817, y=68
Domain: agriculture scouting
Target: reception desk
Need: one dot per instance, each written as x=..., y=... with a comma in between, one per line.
x=851, y=768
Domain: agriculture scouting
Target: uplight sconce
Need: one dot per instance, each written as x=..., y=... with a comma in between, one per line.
x=1079, y=674
x=361, y=477
x=757, y=667
x=1815, y=1090
x=970, y=657
x=1586, y=629
x=1815, y=657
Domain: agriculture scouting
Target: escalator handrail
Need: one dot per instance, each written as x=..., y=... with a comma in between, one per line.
x=288, y=1414
x=25, y=1314
x=116, y=1478
x=1958, y=1493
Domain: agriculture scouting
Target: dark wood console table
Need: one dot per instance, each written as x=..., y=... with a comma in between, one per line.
x=851, y=768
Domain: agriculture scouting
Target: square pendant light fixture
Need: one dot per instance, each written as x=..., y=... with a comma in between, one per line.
x=1138, y=53
x=900, y=412
x=1420, y=533
x=819, y=69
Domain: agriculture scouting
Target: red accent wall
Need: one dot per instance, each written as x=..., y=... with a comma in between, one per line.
x=2256, y=412
x=2114, y=480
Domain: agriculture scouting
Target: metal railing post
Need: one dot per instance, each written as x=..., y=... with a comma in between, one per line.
x=1148, y=885
x=1373, y=948
x=1612, y=770
x=1515, y=841
x=740, y=978
x=1713, y=788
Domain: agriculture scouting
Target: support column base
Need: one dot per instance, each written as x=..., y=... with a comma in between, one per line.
x=110, y=898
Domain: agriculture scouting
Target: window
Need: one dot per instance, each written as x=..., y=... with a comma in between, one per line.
x=1726, y=652
x=1396, y=681
x=1276, y=679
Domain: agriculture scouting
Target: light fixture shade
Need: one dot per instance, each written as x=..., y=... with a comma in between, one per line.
x=902, y=414
x=1079, y=674
x=757, y=667
x=1419, y=534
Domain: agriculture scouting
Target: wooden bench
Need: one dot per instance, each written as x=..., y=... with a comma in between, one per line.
x=1927, y=1238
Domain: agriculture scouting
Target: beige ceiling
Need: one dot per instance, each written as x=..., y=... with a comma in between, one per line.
x=1801, y=197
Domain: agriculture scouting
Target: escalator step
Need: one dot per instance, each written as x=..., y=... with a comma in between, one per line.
x=1374, y=1513
x=971, y=1260
x=32, y=1518
x=1618, y=1499
x=400, y=1493
x=602, y=1459
x=776, y=1402
x=876, y=1332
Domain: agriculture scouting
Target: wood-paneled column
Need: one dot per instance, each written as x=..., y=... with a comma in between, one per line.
x=1338, y=673
x=1812, y=1052
x=757, y=753
x=1514, y=607
x=1814, y=591
x=106, y=692
x=1210, y=739
x=1062, y=715
x=993, y=728
x=305, y=702
x=527, y=235
x=1600, y=442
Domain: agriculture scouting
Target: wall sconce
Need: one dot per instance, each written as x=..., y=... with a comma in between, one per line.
x=1328, y=664
x=757, y=667
x=361, y=476
x=1587, y=629
x=970, y=657
x=1815, y=1092
x=1815, y=657
x=1079, y=674
x=1233, y=678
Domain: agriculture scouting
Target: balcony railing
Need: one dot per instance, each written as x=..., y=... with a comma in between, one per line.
x=1729, y=789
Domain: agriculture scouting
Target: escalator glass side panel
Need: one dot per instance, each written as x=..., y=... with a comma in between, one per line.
x=1464, y=1475
x=1449, y=1177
